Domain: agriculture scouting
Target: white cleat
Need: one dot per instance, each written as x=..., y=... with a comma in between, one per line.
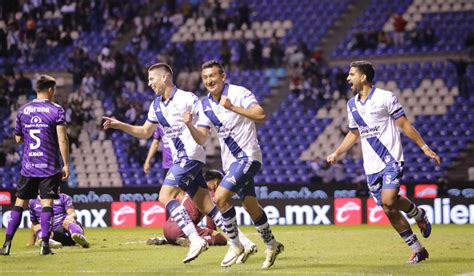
x=232, y=254
x=271, y=255
x=52, y=244
x=248, y=251
x=196, y=247
x=55, y=244
x=80, y=239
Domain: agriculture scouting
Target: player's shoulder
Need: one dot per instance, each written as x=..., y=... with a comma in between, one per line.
x=382, y=93
x=183, y=94
x=237, y=89
x=64, y=197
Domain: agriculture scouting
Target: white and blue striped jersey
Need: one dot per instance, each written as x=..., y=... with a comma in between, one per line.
x=237, y=134
x=375, y=120
x=169, y=115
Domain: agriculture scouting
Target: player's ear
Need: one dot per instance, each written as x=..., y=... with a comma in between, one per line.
x=224, y=76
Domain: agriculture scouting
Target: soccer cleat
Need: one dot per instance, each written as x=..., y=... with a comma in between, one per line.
x=271, y=255
x=45, y=249
x=417, y=257
x=196, y=247
x=54, y=244
x=80, y=239
x=182, y=242
x=232, y=255
x=157, y=241
x=424, y=224
x=248, y=251
x=6, y=248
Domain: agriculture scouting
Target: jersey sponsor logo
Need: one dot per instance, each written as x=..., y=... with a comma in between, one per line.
x=426, y=191
x=347, y=211
x=36, y=120
x=153, y=214
x=208, y=108
x=5, y=198
x=124, y=214
x=354, y=109
x=33, y=109
x=375, y=214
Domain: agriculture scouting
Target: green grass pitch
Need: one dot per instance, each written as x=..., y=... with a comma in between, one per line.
x=309, y=250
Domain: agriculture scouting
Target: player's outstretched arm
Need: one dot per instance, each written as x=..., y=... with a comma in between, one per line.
x=415, y=136
x=145, y=131
x=64, y=149
x=150, y=155
x=255, y=112
x=200, y=134
x=350, y=139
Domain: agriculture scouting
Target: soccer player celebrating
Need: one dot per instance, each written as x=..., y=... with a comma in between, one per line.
x=233, y=111
x=166, y=155
x=375, y=115
x=40, y=126
x=168, y=110
x=66, y=230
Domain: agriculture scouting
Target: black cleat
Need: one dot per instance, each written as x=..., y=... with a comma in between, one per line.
x=45, y=249
x=6, y=248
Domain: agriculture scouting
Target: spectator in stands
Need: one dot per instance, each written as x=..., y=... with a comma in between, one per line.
x=23, y=86
x=12, y=158
x=463, y=78
x=244, y=15
x=399, y=25
x=383, y=40
x=225, y=53
x=469, y=44
x=357, y=42
x=276, y=52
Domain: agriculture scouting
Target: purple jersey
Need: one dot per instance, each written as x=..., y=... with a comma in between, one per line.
x=159, y=135
x=60, y=207
x=36, y=122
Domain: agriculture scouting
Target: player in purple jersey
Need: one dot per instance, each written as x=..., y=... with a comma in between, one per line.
x=66, y=230
x=41, y=127
x=168, y=110
x=166, y=157
x=376, y=117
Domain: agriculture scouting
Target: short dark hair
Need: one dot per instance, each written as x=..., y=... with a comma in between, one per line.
x=213, y=174
x=44, y=82
x=213, y=63
x=161, y=66
x=365, y=68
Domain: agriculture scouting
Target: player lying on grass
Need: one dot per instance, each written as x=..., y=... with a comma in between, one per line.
x=174, y=235
x=66, y=231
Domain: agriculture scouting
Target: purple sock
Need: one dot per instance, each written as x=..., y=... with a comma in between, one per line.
x=73, y=228
x=14, y=222
x=46, y=221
